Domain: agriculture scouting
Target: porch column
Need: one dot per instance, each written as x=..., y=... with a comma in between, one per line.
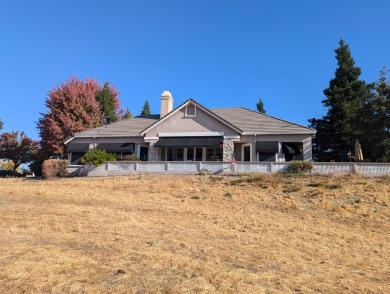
x=228, y=149
x=153, y=152
x=307, y=149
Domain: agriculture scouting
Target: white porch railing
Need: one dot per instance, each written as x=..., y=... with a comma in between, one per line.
x=219, y=167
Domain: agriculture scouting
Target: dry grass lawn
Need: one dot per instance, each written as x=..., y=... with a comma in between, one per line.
x=195, y=234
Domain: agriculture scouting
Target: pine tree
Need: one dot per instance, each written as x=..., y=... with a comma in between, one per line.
x=260, y=106
x=345, y=99
x=1, y=124
x=109, y=103
x=146, y=109
x=378, y=121
x=127, y=114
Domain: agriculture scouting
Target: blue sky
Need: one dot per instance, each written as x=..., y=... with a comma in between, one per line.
x=220, y=53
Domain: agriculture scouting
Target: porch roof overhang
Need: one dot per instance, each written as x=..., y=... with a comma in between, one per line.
x=182, y=142
x=116, y=147
x=102, y=135
x=78, y=147
x=267, y=146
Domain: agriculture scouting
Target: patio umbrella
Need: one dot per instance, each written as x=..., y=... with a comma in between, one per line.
x=358, y=151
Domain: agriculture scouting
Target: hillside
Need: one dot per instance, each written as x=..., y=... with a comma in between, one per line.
x=195, y=234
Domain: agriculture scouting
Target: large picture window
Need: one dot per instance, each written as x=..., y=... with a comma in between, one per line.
x=75, y=158
x=191, y=154
x=214, y=154
x=190, y=148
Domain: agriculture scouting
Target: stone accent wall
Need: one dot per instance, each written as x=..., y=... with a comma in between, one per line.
x=152, y=152
x=228, y=149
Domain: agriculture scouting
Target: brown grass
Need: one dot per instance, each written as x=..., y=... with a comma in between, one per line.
x=195, y=234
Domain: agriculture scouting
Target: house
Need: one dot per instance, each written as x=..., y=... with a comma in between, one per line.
x=193, y=132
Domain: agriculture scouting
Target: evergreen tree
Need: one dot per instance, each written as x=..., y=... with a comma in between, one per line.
x=260, y=106
x=127, y=114
x=345, y=99
x=1, y=124
x=109, y=103
x=378, y=121
x=146, y=109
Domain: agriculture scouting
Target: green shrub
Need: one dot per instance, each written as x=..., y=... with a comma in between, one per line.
x=315, y=184
x=97, y=157
x=296, y=167
x=252, y=179
x=54, y=168
x=334, y=186
x=228, y=195
x=204, y=172
x=214, y=179
x=237, y=181
x=291, y=189
x=130, y=157
x=256, y=179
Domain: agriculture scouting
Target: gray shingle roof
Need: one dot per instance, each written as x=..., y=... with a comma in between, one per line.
x=248, y=121
x=127, y=127
x=252, y=122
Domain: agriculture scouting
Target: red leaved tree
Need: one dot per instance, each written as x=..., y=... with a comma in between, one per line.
x=18, y=148
x=72, y=107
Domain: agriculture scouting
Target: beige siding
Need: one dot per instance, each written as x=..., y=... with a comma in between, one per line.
x=178, y=122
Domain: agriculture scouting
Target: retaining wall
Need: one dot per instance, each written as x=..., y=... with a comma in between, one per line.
x=219, y=167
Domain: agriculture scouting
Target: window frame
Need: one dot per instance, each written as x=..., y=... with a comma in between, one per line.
x=186, y=114
x=243, y=152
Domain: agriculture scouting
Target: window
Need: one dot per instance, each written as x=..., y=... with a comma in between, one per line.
x=180, y=154
x=266, y=156
x=173, y=154
x=247, y=153
x=190, y=110
x=170, y=154
x=210, y=154
x=198, y=154
x=76, y=158
x=190, y=154
x=214, y=154
x=292, y=151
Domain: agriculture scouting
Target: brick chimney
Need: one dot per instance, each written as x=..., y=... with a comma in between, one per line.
x=166, y=103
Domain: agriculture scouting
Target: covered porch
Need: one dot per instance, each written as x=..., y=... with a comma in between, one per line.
x=190, y=148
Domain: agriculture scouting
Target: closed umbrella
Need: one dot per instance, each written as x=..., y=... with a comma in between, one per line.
x=358, y=151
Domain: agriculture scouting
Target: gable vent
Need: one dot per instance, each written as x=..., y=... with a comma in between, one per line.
x=190, y=110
